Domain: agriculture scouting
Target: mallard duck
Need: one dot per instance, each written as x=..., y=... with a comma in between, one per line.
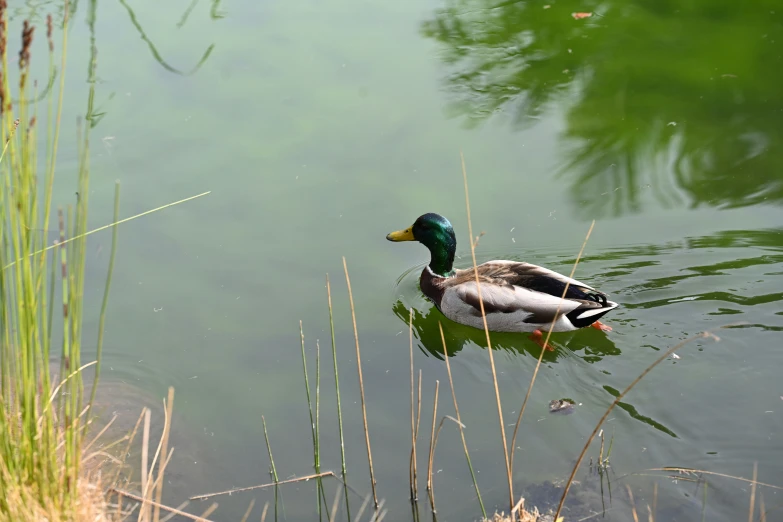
x=518, y=297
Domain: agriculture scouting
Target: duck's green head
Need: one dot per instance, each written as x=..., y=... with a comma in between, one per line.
x=436, y=233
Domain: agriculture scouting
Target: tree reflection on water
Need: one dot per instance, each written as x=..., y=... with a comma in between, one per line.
x=684, y=97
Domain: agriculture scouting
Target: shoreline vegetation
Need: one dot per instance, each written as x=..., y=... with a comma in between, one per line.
x=52, y=465
x=54, y=462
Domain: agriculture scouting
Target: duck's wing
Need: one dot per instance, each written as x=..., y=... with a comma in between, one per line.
x=532, y=277
x=509, y=287
x=520, y=273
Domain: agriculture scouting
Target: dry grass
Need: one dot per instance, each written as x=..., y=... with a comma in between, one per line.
x=361, y=386
x=520, y=514
x=90, y=505
x=99, y=479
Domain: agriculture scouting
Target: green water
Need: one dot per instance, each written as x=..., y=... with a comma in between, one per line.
x=320, y=127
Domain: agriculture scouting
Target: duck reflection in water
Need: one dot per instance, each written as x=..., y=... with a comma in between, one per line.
x=425, y=328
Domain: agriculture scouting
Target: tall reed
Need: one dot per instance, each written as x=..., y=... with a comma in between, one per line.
x=361, y=387
x=337, y=393
x=314, y=418
x=414, y=483
x=430, y=491
x=41, y=424
x=272, y=468
x=459, y=421
x=506, y=459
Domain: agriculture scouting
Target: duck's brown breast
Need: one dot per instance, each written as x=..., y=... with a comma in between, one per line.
x=431, y=286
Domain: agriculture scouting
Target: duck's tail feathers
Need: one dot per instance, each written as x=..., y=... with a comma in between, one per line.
x=582, y=317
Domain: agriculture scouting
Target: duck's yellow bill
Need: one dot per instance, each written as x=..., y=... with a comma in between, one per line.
x=402, y=235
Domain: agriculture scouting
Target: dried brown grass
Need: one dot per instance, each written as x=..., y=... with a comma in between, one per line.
x=90, y=505
x=520, y=514
x=98, y=497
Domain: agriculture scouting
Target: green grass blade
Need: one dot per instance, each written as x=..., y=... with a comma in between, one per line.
x=273, y=470
x=337, y=393
x=102, y=320
x=316, y=463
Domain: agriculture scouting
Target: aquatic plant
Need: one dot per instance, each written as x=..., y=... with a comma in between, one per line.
x=43, y=416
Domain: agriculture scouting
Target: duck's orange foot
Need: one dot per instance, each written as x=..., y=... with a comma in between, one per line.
x=598, y=325
x=538, y=337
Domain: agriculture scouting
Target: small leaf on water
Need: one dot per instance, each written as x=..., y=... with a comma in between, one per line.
x=579, y=16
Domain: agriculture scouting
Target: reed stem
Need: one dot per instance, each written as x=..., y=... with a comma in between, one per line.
x=489, y=343
x=105, y=303
x=164, y=445
x=752, y=509
x=361, y=385
x=413, y=479
x=337, y=393
x=273, y=470
x=313, y=423
x=706, y=334
x=432, y=447
x=459, y=421
x=543, y=349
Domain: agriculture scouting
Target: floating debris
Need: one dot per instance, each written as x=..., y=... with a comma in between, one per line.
x=519, y=513
x=562, y=406
x=579, y=16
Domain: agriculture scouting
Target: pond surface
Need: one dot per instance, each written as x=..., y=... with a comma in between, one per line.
x=319, y=127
